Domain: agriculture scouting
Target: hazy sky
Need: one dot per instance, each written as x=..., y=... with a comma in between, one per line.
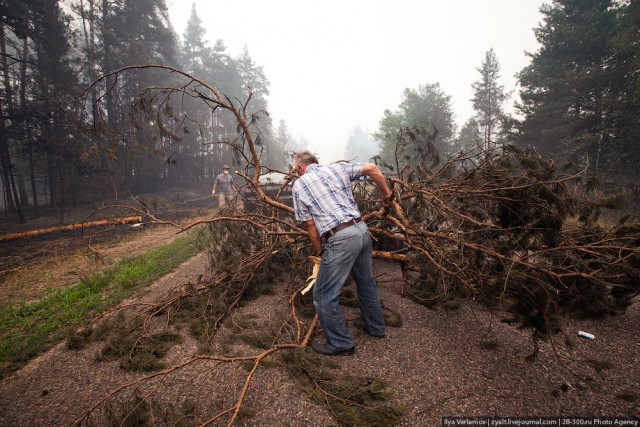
x=334, y=65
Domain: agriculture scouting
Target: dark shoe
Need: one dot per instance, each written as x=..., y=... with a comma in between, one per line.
x=359, y=324
x=323, y=349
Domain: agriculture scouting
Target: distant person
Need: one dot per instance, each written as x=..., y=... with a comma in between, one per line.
x=324, y=202
x=225, y=187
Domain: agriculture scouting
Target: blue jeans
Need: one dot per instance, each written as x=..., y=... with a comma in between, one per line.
x=347, y=251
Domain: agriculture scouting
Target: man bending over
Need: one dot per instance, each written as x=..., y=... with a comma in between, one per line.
x=324, y=202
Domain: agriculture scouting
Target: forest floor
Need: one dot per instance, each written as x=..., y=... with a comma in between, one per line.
x=463, y=363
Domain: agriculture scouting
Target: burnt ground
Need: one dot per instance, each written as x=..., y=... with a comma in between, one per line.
x=32, y=264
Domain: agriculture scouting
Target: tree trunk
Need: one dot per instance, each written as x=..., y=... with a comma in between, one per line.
x=62, y=191
x=53, y=181
x=27, y=126
x=40, y=231
x=74, y=183
x=5, y=154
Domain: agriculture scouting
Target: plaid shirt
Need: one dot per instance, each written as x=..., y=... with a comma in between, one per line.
x=324, y=194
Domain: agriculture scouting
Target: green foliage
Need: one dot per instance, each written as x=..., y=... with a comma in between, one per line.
x=130, y=412
x=71, y=151
x=134, y=410
x=261, y=336
x=579, y=96
x=305, y=307
x=391, y=317
x=428, y=109
x=243, y=272
x=468, y=137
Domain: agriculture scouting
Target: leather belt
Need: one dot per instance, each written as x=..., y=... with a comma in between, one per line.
x=339, y=227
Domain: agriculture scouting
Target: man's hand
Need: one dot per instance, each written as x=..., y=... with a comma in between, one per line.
x=372, y=171
x=311, y=280
x=314, y=237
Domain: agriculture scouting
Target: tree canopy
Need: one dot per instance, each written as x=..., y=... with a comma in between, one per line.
x=50, y=54
x=427, y=108
x=578, y=97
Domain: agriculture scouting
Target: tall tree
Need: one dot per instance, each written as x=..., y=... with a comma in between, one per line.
x=194, y=52
x=428, y=108
x=41, y=76
x=568, y=82
x=488, y=97
x=55, y=81
x=625, y=95
x=136, y=32
x=253, y=79
x=6, y=163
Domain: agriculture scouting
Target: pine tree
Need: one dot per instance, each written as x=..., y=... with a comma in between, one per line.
x=136, y=32
x=55, y=82
x=565, y=89
x=488, y=97
x=195, y=52
x=428, y=109
x=624, y=97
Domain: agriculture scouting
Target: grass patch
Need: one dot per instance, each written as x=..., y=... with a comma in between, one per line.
x=29, y=329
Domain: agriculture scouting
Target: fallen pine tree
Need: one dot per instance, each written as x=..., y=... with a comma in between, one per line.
x=503, y=227
x=80, y=225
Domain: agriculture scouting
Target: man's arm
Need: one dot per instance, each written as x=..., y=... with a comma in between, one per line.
x=372, y=171
x=314, y=237
x=215, y=184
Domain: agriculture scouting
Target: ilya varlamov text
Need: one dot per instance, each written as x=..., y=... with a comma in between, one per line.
x=538, y=421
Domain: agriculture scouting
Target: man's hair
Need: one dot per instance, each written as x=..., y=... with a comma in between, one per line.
x=305, y=157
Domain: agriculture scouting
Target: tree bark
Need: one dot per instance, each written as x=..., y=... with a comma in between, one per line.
x=27, y=126
x=41, y=231
x=5, y=154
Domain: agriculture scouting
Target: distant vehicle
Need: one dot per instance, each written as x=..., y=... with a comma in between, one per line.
x=271, y=184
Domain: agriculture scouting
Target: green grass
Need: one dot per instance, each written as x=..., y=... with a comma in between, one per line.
x=29, y=329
